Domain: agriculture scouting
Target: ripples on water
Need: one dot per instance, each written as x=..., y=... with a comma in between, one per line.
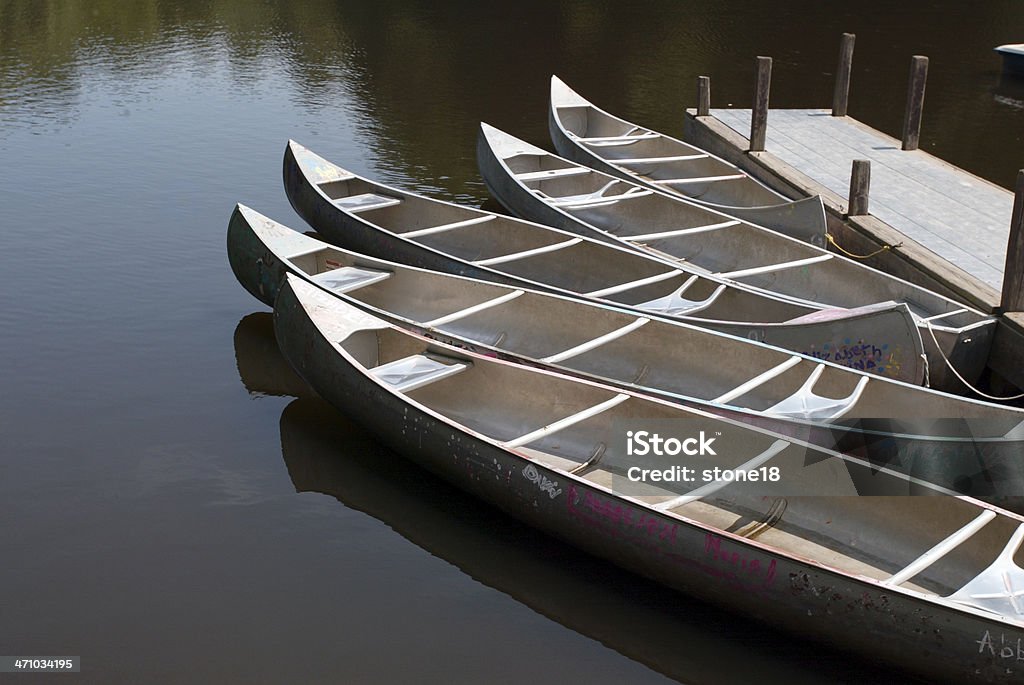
x=151, y=525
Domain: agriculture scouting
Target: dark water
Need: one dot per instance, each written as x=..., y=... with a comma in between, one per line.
x=151, y=451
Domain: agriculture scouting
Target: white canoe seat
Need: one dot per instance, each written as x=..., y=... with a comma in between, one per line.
x=527, y=253
x=416, y=371
x=577, y=350
x=674, y=304
x=1000, y=587
x=716, y=485
x=697, y=179
x=561, y=424
x=944, y=315
x=348, y=278
x=681, y=231
x=659, y=160
x=364, y=202
x=629, y=285
x=942, y=549
x=769, y=268
x=430, y=230
x=806, y=404
x=469, y=311
x=756, y=381
x=552, y=173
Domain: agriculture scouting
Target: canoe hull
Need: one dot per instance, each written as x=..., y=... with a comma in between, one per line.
x=1013, y=58
x=966, y=348
x=877, y=328
x=955, y=459
x=752, y=201
x=802, y=597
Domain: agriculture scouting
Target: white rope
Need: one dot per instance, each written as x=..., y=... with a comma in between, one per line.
x=957, y=373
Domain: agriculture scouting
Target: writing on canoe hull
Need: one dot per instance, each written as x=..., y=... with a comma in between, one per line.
x=613, y=516
x=1001, y=647
x=859, y=355
x=740, y=569
x=742, y=563
x=543, y=483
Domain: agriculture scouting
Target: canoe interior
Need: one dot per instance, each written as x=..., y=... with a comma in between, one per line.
x=671, y=358
x=870, y=536
x=729, y=245
x=481, y=236
x=586, y=121
x=547, y=259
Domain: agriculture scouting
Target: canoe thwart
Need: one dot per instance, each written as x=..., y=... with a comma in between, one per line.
x=940, y=550
x=430, y=230
x=629, y=285
x=1000, y=587
x=944, y=315
x=768, y=268
x=528, y=253
x=756, y=381
x=681, y=231
x=597, y=198
x=716, y=485
x=416, y=371
x=674, y=304
x=806, y=404
x=661, y=160
x=469, y=311
x=697, y=179
x=614, y=141
x=572, y=420
x=577, y=350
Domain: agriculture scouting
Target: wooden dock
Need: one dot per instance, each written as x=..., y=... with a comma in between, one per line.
x=951, y=226
x=916, y=200
x=958, y=216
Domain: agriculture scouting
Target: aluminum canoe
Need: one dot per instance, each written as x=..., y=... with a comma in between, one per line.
x=325, y=452
x=927, y=583
x=537, y=185
x=945, y=439
x=1013, y=58
x=389, y=223
x=590, y=136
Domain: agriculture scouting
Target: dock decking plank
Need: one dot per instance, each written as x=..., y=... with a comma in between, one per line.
x=957, y=215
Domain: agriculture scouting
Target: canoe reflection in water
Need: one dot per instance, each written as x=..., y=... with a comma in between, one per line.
x=684, y=639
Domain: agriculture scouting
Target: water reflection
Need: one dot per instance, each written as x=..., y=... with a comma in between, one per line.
x=1009, y=91
x=691, y=642
x=420, y=76
x=261, y=366
x=131, y=129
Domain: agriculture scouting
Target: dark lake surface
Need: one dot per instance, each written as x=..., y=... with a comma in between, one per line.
x=168, y=510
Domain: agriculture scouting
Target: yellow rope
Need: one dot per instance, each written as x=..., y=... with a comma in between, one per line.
x=883, y=248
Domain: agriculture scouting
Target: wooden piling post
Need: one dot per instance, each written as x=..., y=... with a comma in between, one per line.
x=915, y=102
x=1013, y=272
x=759, y=115
x=703, y=96
x=860, y=186
x=841, y=94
